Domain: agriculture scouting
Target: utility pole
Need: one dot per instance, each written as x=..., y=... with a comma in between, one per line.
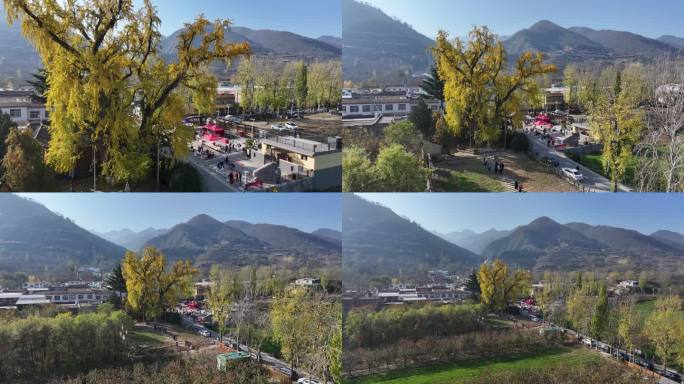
x=94, y=170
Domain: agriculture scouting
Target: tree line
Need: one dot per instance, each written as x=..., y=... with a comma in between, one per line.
x=305, y=323
x=395, y=163
x=587, y=373
x=581, y=302
x=268, y=85
x=370, y=329
x=201, y=369
x=442, y=349
x=34, y=348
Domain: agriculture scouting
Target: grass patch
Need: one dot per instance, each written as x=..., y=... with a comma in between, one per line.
x=455, y=372
x=468, y=181
x=645, y=308
x=271, y=347
x=147, y=338
x=595, y=163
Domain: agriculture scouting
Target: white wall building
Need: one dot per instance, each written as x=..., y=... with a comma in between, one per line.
x=21, y=107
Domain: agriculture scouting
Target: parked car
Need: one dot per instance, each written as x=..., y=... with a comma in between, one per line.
x=204, y=333
x=233, y=119
x=573, y=174
x=307, y=381
x=288, y=372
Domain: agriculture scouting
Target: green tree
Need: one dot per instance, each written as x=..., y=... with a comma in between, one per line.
x=433, y=85
x=618, y=122
x=23, y=166
x=473, y=283
x=6, y=124
x=664, y=328
x=101, y=58
x=629, y=325
x=400, y=171
x=115, y=281
x=288, y=325
x=571, y=82
x=599, y=319
x=357, y=171
x=39, y=82
x=301, y=86
x=443, y=134
x=421, y=117
x=220, y=297
x=403, y=133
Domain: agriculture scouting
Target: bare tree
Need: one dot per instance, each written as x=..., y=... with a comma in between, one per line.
x=661, y=152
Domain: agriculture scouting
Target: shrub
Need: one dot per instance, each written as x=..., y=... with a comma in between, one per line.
x=519, y=142
x=185, y=178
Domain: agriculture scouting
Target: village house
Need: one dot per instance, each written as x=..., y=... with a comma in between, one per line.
x=298, y=158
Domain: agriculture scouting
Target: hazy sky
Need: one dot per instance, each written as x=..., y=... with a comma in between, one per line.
x=447, y=212
x=104, y=212
x=505, y=17
x=311, y=18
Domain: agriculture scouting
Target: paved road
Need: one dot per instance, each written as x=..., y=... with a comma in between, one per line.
x=614, y=350
x=591, y=179
x=213, y=182
x=265, y=357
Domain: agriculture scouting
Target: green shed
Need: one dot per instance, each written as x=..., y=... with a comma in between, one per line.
x=223, y=359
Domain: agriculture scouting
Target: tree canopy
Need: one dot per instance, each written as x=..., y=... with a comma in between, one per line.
x=153, y=287
x=109, y=89
x=481, y=93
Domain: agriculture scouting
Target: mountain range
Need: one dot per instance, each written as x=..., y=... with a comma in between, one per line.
x=35, y=240
x=377, y=242
x=131, y=239
x=18, y=58
x=376, y=45
x=472, y=241
x=281, y=46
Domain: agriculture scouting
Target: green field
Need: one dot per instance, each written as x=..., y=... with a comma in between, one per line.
x=456, y=372
x=595, y=163
x=468, y=181
x=645, y=308
x=148, y=338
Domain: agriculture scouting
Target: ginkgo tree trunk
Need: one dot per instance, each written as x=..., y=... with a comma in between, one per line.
x=109, y=87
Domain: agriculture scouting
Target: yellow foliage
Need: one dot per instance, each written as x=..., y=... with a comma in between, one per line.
x=108, y=83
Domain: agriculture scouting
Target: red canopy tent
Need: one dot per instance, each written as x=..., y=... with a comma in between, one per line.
x=542, y=120
x=212, y=137
x=214, y=128
x=216, y=138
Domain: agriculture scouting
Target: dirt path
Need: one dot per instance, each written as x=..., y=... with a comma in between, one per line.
x=534, y=176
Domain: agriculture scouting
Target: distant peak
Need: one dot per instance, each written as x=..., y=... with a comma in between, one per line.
x=545, y=24
x=543, y=221
x=203, y=219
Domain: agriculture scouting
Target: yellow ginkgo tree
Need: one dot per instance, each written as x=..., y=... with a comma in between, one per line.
x=110, y=90
x=481, y=92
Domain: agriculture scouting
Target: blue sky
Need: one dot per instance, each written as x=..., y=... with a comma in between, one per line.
x=447, y=212
x=311, y=18
x=505, y=17
x=104, y=212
